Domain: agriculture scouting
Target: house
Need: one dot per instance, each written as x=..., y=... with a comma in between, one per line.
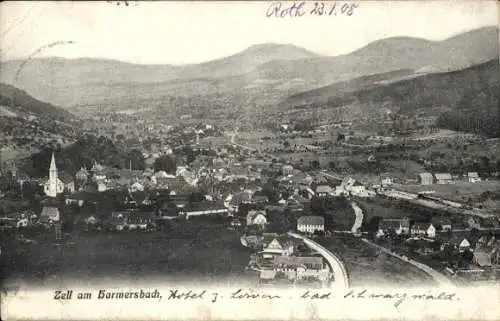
x=426, y=178
x=259, y=200
x=459, y=242
x=421, y=229
x=82, y=175
x=169, y=210
x=278, y=246
x=324, y=191
x=272, y=248
x=287, y=170
x=102, y=186
x=357, y=189
x=400, y=226
x=118, y=220
x=50, y=215
x=473, y=177
x=300, y=267
x=481, y=258
x=310, y=224
x=267, y=275
x=235, y=222
x=136, y=187
x=443, y=178
x=234, y=201
x=79, y=198
x=473, y=223
x=492, y=242
x=386, y=181
x=68, y=181
x=256, y=218
x=442, y=224
x=91, y=220
x=482, y=241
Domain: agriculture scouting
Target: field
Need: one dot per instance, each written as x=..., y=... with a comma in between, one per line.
x=198, y=250
x=460, y=191
x=367, y=266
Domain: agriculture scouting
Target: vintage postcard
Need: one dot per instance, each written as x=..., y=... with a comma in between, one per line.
x=259, y=160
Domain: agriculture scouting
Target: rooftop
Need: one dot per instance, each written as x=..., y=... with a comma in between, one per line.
x=311, y=220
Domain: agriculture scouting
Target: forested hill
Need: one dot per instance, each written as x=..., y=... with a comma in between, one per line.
x=83, y=152
x=477, y=108
x=470, y=95
x=15, y=101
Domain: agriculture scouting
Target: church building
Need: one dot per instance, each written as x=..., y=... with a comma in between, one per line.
x=54, y=185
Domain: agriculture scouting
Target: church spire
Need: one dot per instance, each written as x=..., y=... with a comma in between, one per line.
x=53, y=163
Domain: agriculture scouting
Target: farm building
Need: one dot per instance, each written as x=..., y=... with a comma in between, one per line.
x=443, y=178
x=324, y=190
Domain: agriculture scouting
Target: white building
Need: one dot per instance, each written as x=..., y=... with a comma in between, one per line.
x=256, y=218
x=473, y=177
x=54, y=185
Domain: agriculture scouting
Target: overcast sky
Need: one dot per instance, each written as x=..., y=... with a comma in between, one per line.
x=190, y=32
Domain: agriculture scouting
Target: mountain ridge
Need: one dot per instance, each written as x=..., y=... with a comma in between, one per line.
x=286, y=68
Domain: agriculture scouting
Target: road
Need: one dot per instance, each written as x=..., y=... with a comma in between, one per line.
x=359, y=217
x=341, y=279
x=440, y=278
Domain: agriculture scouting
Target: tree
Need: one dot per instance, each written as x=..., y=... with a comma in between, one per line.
x=165, y=163
x=331, y=165
x=196, y=197
x=189, y=153
x=341, y=138
x=315, y=164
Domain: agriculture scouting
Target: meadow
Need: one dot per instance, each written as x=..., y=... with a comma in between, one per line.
x=185, y=251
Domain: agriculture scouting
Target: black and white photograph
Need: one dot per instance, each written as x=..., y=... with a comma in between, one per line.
x=258, y=146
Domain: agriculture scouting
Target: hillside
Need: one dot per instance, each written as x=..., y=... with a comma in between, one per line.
x=467, y=99
x=27, y=124
x=262, y=74
x=16, y=102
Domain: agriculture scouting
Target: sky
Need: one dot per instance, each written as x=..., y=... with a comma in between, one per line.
x=192, y=32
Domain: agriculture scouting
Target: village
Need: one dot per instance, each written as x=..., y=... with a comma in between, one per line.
x=281, y=216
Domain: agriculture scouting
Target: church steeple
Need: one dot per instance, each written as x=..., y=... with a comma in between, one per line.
x=54, y=185
x=53, y=164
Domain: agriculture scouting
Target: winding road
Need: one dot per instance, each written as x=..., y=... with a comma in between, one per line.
x=359, y=217
x=341, y=280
